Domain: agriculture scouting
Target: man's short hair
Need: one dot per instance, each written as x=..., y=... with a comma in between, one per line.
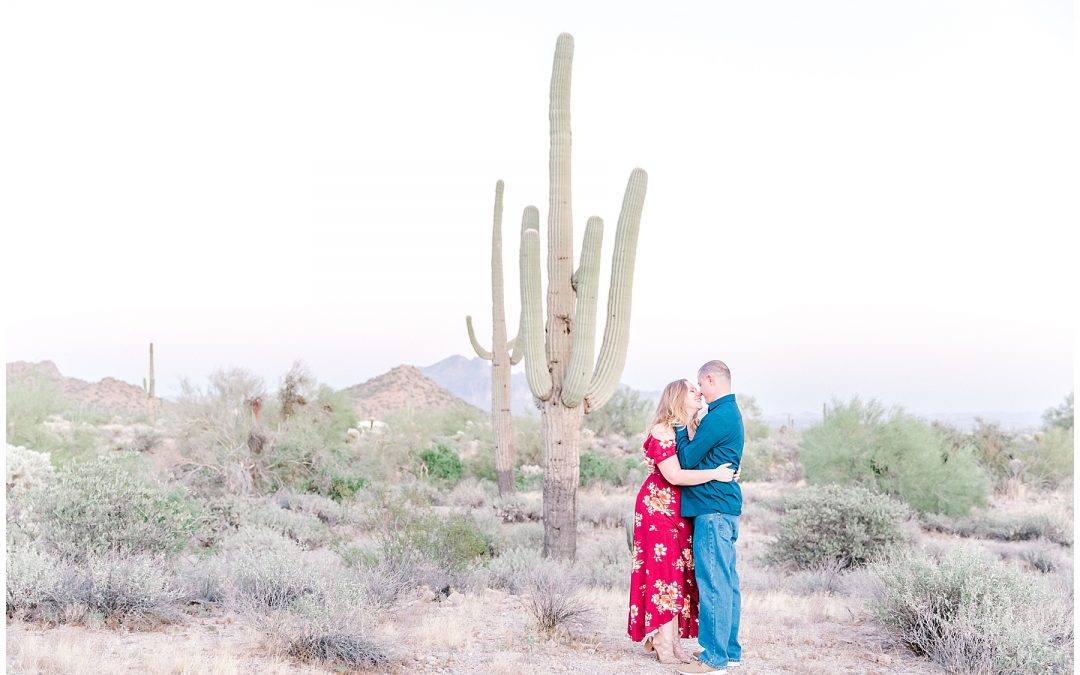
x=716, y=369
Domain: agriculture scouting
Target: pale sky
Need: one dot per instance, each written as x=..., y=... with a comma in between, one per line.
x=845, y=197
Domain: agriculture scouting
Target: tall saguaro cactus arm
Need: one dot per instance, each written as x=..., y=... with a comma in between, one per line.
x=532, y=327
x=586, y=283
x=609, y=365
x=477, y=347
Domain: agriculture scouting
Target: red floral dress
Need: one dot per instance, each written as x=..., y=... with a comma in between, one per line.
x=662, y=576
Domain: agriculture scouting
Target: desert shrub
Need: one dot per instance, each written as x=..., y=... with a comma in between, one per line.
x=310, y=451
x=528, y=441
x=1060, y=416
x=42, y=418
x=754, y=427
x=994, y=448
x=554, y=596
x=267, y=571
x=132, y=588
x=325, y=509
x=508, y=570
x=481, y=466
x=410, y=432
x=27, y=469
x=848, y=526
x=441, y=463
x=102, y=505
x=470, y=493
x=313, y=642
x=626, y=414
x=604, y=511
x=522, y=535
x=773, y=458
x=1042, y=559
x=604, y=562
x=334, y=627
x=529, y=477
x=206, y=579
x=518, y=509
x=33, y=578
x=970, y=614
x=1047, y=461
x=215, y=417
x=305, y=529
x=357, y=552
x=128, y=586
x=341, y=487
x=596, y=467
x=898, y=455
x=453, y=542
x=1004, y=526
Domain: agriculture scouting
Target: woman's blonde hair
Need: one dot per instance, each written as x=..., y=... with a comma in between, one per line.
x=669, y=408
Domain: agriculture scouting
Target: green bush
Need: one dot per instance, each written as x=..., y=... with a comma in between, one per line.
x=101, y=506
x=30, y=401
x=528, y=441
x=310, y=451
x=1047, y=462
x=774, y=458
x=341, y=488
x=973, y=615
x=754, y=427
x=529, y=477
x=454, y=542
x=41, y=418
x=898, y=455
x=835, y=525
x=626, y=414
x=442, y=463
x=596, y=468
x=1061, y=416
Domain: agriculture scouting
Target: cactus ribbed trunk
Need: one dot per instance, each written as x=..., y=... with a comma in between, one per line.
x=562, y=460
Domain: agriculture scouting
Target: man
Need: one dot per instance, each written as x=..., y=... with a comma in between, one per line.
x=715, y=508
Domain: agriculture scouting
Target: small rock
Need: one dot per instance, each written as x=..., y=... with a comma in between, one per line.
x=455, y=598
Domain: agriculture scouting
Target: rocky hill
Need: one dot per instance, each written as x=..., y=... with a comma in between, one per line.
x=470, y=379
x=401, y=388
x=108, y=395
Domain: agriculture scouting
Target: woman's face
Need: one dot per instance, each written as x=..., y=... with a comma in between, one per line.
x=692, y=401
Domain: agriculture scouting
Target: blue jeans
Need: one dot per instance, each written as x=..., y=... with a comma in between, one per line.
x=718, y=588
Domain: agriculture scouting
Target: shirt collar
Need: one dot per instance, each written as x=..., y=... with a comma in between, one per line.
x=730, y=398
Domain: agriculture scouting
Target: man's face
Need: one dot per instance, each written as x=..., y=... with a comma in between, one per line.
x=706, y=386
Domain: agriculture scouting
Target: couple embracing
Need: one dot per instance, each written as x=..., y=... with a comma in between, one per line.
x=686, y=522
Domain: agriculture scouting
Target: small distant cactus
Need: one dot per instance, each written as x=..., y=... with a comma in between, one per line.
x=148, y=387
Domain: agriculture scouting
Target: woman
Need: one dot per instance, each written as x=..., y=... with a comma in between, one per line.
x=663, y=597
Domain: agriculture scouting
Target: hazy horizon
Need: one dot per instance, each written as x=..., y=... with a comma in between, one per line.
x=844, y=198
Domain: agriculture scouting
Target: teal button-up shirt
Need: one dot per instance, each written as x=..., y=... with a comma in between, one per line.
x=719, y=440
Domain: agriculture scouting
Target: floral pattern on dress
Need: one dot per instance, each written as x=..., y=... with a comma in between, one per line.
x=662, y=572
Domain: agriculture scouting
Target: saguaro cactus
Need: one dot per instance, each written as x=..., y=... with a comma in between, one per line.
x=151, y=402
x=503, y=355
x=560, y=368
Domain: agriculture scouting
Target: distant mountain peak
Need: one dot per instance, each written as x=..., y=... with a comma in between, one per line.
x=400, y=388
x=470, y=379
x=108, y=394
